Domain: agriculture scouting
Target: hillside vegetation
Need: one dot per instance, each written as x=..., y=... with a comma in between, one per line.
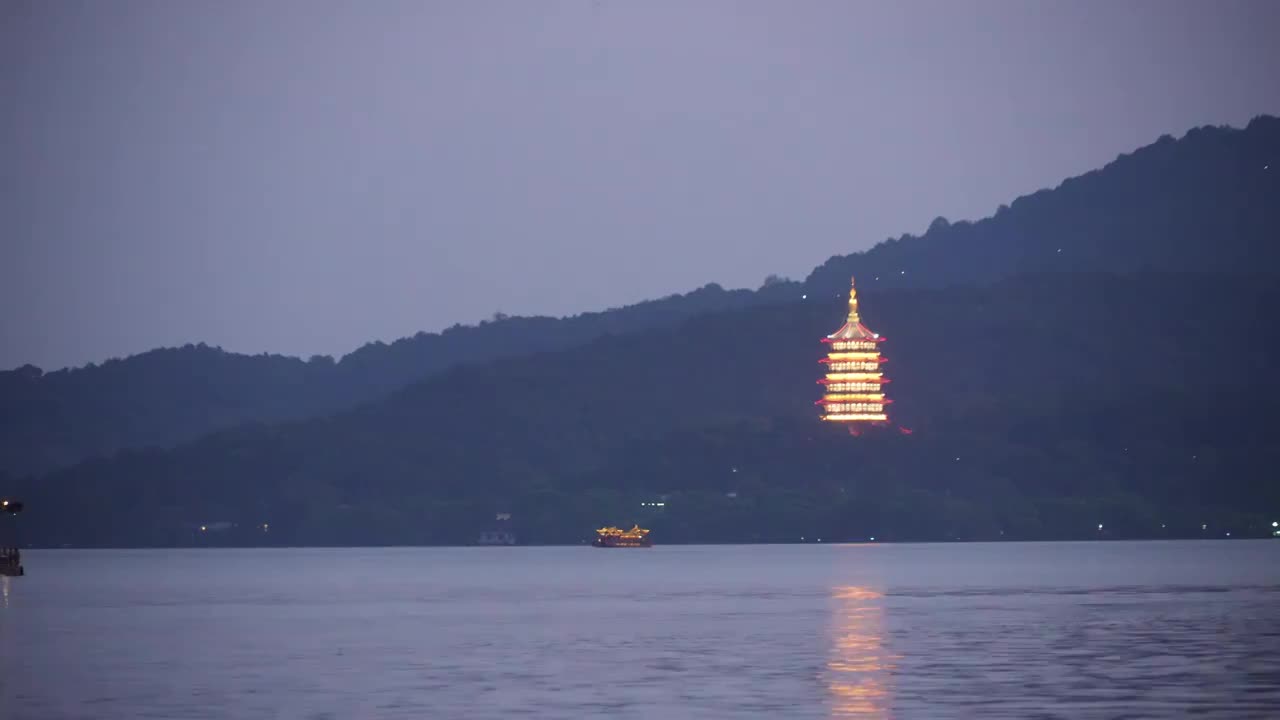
x=1095, y=360
x=1208, y=202
x=1038, y=407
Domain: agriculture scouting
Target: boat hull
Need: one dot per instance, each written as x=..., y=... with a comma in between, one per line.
x=612, y=543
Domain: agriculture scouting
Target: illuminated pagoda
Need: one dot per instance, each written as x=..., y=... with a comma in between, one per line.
x=854, y=383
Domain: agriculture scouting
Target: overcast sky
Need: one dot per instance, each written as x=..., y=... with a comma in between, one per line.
x=305, y=176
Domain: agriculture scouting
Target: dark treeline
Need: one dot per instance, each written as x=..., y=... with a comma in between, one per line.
x=1040, y=407
x=1203, y=203
x=168, y=396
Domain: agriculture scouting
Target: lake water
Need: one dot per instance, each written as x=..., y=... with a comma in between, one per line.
x=1088, y=630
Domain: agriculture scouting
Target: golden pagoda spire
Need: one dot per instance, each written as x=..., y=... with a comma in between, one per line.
x=853, y=301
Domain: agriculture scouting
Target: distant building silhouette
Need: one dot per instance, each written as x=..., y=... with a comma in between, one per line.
x=500, y=533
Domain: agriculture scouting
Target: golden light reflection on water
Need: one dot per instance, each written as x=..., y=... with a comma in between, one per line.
x=859, y=665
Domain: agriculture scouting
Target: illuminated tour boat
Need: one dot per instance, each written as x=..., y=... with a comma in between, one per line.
x=854, y=393
x=612, y=537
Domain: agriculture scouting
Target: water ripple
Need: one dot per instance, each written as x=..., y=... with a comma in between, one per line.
x=1074, y=631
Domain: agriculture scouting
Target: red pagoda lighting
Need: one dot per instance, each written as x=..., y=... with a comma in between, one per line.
x=854, y=391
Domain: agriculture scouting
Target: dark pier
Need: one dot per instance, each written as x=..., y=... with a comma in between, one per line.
x=10, y=555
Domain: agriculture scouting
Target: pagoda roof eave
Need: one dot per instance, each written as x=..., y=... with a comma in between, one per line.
x=853, y=330
x=834, y=339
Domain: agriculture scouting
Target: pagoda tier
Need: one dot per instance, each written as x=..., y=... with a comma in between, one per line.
x=854, y=391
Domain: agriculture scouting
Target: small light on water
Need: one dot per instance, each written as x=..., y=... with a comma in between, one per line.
x=203, y=528
x=873, y=539
x=1275, y=524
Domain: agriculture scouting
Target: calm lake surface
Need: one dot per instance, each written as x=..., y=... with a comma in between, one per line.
x=1088, y=630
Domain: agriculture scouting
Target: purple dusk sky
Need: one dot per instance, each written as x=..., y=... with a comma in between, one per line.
x=302, y=176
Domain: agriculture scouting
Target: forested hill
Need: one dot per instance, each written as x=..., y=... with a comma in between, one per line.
x=168, y=396
x=1209, y=201
x=1039, y=407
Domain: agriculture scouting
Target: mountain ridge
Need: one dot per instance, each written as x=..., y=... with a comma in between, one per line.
x=1034, y=232
x=170, y=395
x=1147, y=210
x=992, y=375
